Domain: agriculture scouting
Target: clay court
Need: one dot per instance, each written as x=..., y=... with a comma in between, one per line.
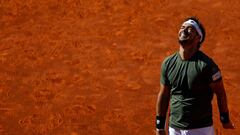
x=92, y=67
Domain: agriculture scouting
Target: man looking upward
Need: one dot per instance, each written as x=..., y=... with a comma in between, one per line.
x=189, y=78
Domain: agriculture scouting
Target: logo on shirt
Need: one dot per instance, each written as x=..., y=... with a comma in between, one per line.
x=216, y=76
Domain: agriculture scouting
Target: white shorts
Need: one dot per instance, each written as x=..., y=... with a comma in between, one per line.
x=198, y=131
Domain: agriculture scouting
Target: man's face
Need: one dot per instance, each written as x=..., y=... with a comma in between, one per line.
x=187, y=35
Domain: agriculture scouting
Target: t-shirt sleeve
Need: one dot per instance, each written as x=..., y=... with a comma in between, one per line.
x=164, y=79
x=213, y=73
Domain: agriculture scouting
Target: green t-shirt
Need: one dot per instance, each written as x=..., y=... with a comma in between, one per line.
x=190, y=93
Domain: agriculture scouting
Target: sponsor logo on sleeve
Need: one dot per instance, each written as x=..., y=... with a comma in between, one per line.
x=216, y=76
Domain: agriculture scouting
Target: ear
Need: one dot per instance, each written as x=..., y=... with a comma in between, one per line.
x=198, y=38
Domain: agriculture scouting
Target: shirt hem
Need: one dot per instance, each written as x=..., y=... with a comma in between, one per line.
x=190, y=127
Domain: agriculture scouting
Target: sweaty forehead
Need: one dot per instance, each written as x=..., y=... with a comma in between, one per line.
x=187, y=24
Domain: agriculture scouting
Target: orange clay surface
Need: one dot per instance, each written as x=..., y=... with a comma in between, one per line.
x=92, y=67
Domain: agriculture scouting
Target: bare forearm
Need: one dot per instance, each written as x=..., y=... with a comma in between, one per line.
x=219, y=90
x=222, y=101
x=221, y=97
x=162, y=104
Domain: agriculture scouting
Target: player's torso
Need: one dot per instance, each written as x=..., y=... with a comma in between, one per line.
x=187, y=77
x=190, y=92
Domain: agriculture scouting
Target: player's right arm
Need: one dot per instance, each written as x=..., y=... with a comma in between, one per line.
x=161, y=108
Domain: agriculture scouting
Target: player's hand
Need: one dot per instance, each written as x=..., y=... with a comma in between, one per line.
x=160, y=132
x=228, y=125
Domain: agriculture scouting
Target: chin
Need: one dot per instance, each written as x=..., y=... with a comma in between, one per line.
x=183, y=42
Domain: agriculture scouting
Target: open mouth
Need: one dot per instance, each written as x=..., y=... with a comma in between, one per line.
x=183, y=36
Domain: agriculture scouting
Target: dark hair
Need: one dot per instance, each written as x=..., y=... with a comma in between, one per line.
x=200, y=26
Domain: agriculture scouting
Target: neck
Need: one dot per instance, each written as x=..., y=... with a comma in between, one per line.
x=187, y=53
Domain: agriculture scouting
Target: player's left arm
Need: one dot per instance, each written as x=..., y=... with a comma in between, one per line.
x=219, y=90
